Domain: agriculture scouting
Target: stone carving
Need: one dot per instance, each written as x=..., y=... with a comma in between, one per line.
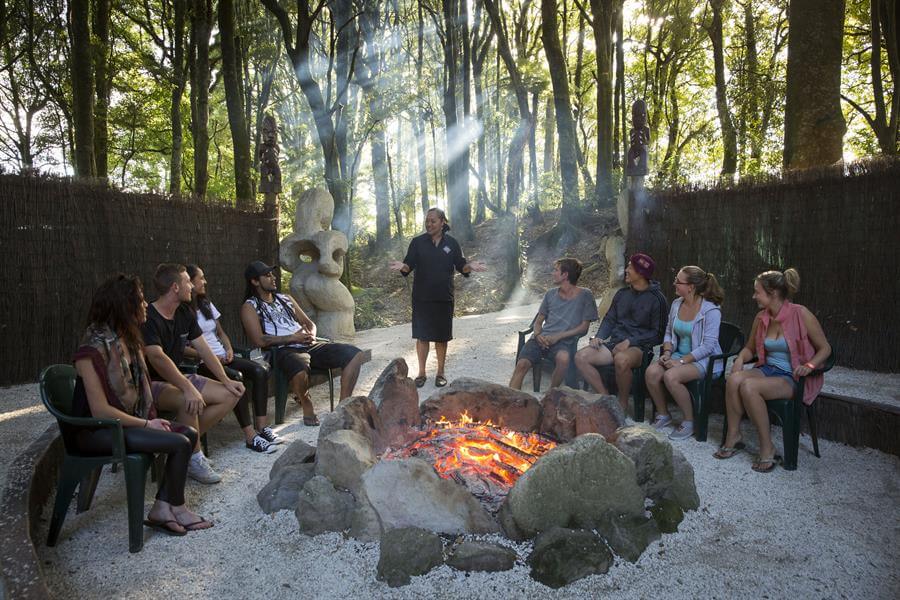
x=269, y=170
x=314, y=253
x=639, y=139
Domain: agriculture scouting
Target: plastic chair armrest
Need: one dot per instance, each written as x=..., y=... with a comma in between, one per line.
x=242, y=352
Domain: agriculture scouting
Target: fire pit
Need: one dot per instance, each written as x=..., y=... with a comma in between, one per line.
x=483, y=457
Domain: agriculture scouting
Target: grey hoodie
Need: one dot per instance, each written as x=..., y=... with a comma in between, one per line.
x=639, y=317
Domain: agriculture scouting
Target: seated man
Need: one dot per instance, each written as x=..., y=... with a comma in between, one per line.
x=198, y=401
x=274, y=320
x=635, y=321
x=564, y=316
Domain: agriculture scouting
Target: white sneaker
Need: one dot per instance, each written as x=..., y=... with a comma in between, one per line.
x=200, y=470
x=661, y=422
x=683, y=431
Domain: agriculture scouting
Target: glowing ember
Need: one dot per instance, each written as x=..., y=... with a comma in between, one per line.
x=486, y=459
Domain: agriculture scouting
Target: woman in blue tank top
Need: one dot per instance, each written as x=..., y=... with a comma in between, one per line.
x=692, y=335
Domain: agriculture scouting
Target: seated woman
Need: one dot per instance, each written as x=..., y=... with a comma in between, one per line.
x=260, y=438
x=692, y=336
x=112, y=383
x=789, y=343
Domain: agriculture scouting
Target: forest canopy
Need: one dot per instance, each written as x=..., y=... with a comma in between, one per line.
x=484, y=107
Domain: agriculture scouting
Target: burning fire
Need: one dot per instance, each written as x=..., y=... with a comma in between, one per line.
x=485, y=458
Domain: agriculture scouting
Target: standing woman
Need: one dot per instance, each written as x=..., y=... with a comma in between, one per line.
x=260, y=438
x=789, y=343
x=433, y=256
x=692, y=336
x=113, y=383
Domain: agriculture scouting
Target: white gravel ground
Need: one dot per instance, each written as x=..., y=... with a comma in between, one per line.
x=831, y=529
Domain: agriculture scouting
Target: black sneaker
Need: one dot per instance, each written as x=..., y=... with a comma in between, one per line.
x=270, y=436
x=259, y=444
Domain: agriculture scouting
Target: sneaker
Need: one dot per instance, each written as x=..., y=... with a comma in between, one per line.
x=200, y=470
x=683, y=431
x=259, y=444
x=270, y=436
x=661, y=422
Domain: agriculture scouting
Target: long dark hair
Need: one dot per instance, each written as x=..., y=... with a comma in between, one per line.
x=199, y=301
x=117, y=303
x=705, y=284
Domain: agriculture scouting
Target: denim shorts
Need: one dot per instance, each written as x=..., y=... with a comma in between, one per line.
x=770, y=371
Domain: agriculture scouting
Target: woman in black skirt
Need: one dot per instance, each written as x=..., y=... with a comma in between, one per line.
x=433, y=256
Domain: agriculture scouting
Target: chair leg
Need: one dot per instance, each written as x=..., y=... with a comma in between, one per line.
x=536, y=374
x=791, y=439
x=637, y=388
x=86, y=490
x=331, y=388
x=135, y=481
x=64, y=492
x=812, y=418
x=204, y=443
x=724, y=428
x=281, y=393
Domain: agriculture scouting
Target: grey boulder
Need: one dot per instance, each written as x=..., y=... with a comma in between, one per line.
x=484, y=401
x=322, y=508
x=481, y=556
x=568, y=413
x=407, y=552
x=283, y=491
x=343, y=457
x=562, y=556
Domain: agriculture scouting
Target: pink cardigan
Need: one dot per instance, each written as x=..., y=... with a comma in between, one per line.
x=791, y=318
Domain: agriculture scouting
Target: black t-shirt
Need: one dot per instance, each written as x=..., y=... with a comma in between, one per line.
x=433, y=266
x=171, y=334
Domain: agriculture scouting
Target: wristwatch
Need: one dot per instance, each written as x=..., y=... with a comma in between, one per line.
x=681, y=361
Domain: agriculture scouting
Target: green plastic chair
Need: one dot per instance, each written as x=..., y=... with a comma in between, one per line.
x=638, y=385
x=282, y=385
x=786, y=412
x=57, y=385
x=731, y=340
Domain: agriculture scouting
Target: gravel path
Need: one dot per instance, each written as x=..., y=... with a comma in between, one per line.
x=831, y=529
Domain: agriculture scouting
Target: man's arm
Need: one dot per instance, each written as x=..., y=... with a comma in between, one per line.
x=579, y=330
x=250, y=321
x=166, y=369
x=215, y=366
x=304, y=322
x=610, y=319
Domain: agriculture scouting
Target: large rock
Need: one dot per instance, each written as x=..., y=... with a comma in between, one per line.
x=568, y=413
x=397, y=400
x=365, y=525
x=484, y=401
x=662, y=470
x=296, y=454
x=283, y=491
x=628, y=535
x=408, y=493
x=575, y=485
x=481, y=556
x=407, y=552
x=562, y=556
x=323, y=508
x=343, y=457
x=667, y=515
x=357, y=414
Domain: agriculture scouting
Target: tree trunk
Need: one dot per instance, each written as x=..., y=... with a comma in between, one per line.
x=604, y=18
x=178, y=85
x=102, y=77
x=342, y=14
x=200, y=19
x=82, y=74
x=526, y=120
x=532, y=157
x=729, y=139
x=813, y=122
x=620, y=104
x=549, y=138
x=234, y=100
x=565, y=124
x=752, y=92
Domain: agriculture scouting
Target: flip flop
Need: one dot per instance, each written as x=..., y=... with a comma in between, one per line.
x=312, y=421
x=765, y=465
x=724, y=452
x=166, y=526
x=195, y=526
x=440, y=381
x=420, y=380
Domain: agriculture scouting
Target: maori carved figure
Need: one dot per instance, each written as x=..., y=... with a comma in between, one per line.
x=269, y=170
x=314, y=253
x=639, y=139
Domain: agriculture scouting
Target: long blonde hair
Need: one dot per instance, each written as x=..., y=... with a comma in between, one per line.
x=783, y=284
x=705, y=284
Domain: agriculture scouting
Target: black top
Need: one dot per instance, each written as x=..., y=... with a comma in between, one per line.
x=434, y=266
x=639, y=317
x=171, y=334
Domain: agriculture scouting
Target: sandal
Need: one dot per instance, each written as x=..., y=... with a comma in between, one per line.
x=724, y=452
x=440, y=381
x=765, y=465
x=167, y=527
x=311, y=421
x=420, y=380
x=197, y=525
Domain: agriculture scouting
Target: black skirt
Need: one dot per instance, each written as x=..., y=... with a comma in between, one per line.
x=432, y=321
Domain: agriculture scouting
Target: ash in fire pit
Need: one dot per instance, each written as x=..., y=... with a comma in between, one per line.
x=484, y=458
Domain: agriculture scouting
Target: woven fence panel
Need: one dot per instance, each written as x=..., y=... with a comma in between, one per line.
x=60, y=239
x=839, y=228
